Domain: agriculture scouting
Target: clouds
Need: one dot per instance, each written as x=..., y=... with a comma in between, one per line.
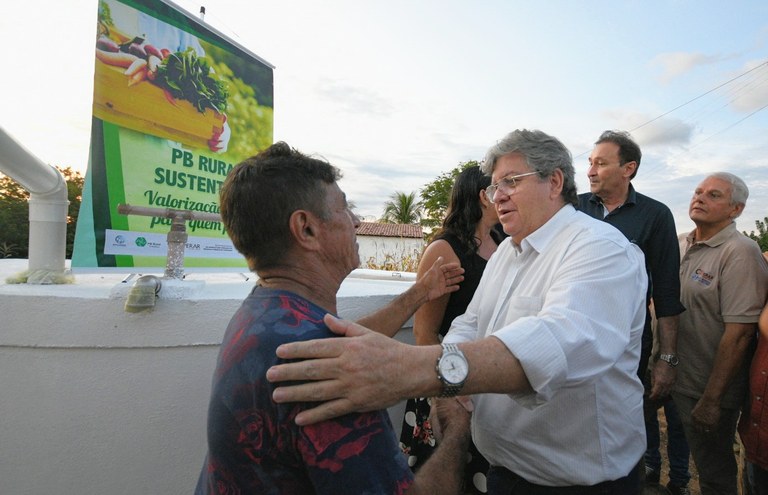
x=653, y=131
x=752, y=95
x=354, y=99
x=675, y=64
x=665, y=132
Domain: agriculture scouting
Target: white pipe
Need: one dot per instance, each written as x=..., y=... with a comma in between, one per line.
x=25, y=168
x=48, y=208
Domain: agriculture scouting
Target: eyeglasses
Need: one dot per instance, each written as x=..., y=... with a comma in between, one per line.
x=506, y=185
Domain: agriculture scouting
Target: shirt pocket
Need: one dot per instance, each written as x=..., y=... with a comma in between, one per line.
x=521, y=307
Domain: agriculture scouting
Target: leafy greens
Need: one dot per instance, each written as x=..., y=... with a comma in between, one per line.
x=187, y=76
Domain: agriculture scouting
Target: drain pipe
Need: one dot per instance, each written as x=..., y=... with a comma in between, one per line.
x=48, y=208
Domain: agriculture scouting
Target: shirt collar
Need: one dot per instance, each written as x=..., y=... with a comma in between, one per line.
x=631, y=197
x=716, y=239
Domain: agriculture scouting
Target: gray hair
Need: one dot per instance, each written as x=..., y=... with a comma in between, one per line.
x=739, y=189
x=543, y=154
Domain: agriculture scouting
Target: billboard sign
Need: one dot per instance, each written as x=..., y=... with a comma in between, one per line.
x=176, y=105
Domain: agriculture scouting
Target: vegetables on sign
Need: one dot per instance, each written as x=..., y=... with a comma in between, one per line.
x=118, y=59
x=183, y=75
x=152, y=51
x=106, y=44
x=135, y=67
x=187, y=76
x=138, y=50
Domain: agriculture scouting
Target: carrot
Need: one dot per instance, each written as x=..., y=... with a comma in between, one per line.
x=169, y=97
x=151, y=50
x=119, y=59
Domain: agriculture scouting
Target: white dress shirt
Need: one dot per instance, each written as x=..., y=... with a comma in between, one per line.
x=569, y=303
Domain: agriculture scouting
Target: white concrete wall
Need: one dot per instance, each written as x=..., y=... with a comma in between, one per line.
x=379, y=247
x=95, y=400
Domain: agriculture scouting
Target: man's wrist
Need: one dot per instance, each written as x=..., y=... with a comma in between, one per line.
x=709, y=401
x=456, y=437
x=417, y=295
x=671, y=359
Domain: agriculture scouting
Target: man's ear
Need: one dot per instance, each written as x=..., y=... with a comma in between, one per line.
x=305, y=227
x=737, y=209
x=630, y=168
x=556, y=181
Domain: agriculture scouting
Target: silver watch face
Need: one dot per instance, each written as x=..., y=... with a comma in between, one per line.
x=673, y=360
x=454, y=368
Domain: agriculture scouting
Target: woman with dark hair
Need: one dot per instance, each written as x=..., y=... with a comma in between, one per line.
x=469, y=236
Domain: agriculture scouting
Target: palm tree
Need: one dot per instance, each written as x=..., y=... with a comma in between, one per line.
x=402, y=208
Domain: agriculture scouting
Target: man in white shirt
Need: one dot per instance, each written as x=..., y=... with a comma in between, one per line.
x=550, y=342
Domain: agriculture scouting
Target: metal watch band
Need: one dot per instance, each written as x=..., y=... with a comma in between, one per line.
x=670, y=359
x=449, y=389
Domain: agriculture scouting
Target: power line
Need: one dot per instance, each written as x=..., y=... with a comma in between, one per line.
x=732, y=125
x=726, y=83
x=701, y=96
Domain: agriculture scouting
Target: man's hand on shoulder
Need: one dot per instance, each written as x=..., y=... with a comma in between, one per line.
x=365, y=371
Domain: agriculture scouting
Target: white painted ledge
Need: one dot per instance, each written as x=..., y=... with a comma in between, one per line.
x=98, y=400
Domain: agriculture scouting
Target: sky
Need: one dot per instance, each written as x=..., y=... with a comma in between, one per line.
x=397, y=92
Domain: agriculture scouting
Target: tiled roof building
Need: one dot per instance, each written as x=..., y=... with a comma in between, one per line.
x=390, y=230
x=389, y=245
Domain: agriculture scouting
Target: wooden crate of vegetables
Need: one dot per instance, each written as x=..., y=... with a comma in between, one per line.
x=170, y=95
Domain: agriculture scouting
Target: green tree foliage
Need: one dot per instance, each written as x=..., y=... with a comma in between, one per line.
x=435, y=195
x=761, y=237
x=14, y=214
x=14, y=219
x=402, y=208
x=75, y=182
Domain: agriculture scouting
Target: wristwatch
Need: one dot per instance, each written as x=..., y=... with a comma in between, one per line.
x=671, y=359
x=452, y=369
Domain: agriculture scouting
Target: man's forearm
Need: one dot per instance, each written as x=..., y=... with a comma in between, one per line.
x=667, y=326
x=444, y=470
x=391, y=318
x=729, y=358
x=441, y=278
x=334, y=370
x=493, y=368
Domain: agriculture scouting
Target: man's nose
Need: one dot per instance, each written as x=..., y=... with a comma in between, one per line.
x=500, y=195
